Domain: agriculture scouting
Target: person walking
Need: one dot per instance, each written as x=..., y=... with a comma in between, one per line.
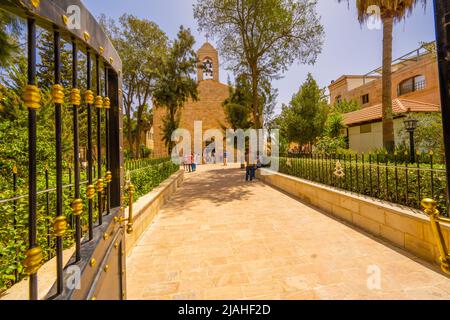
x=225, y=158
x=189, y=163
x=185, y=162
x=193, y=163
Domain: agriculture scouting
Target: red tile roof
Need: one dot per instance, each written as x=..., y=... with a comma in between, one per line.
x=399, y=106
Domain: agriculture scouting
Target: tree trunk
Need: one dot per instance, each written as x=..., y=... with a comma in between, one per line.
x=138, y=142
x=129, y=136
x=255, y=98
x=388, y=122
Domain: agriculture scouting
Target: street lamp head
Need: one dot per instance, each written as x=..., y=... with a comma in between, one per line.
x=411, y=124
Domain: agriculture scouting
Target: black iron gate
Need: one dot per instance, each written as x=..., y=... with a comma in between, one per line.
x=97, y=268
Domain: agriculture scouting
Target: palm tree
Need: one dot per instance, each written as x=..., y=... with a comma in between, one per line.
x=391, y=11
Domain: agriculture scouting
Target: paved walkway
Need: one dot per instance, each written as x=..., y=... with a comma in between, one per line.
x=222, y=238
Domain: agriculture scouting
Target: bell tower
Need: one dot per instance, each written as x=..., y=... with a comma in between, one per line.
x=208, y=68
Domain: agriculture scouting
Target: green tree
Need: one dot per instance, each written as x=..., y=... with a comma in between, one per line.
x=391, y=11
x=334, y=124
x=238, y=105
x=142, y=46
x=175, y=84
x=428, y=135
x=46, y=68
x=9, y=34
x=304, y=119
x=346, y=106
x=262, y=38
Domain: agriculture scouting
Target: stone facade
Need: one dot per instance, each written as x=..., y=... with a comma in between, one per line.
x=207, y=109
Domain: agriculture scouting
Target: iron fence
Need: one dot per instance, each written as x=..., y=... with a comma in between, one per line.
x=378, y=175
x=14, y=206
x=68, y=206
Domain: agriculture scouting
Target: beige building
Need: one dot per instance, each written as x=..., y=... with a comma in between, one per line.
x=415, y=88
x=207, y=109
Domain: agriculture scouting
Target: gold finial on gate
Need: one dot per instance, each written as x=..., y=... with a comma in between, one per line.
x=32, y=97
x=108, y=177
x=101, y=50
x=86, y=36
x=60, y=226
x=89, y=97
x=90, y=192
x=77, y=207
x=65, y=19
x=14, y=170
x=75, y=97
x=100, y=185
x=35, y=3
x=111, y=60
x=106, y=103
x=33, y=260
x=98, y=102
x=430, y=209
x=58, y=94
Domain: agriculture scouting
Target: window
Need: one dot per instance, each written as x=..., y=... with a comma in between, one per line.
x=339, y=99
x=413, y=84
x=365, y=128
x=365, y=98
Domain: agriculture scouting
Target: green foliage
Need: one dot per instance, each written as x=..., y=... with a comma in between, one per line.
x=238, y=106
x=142, y=45
x=428, y=135
x=146, y=179
x=262, y=38
x=346, y=106
x=334, y=124
x=175, y=84
x=9, y=31
x=304, y=119
x=329, y=144
x=45, y=67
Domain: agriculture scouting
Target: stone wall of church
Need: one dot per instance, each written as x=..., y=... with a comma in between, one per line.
x=208, y=109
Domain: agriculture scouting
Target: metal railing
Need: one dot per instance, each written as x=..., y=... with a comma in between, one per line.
x=382, y=176
x=14, y=205
x=68, y=206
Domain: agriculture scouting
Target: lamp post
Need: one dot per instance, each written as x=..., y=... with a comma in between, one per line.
x=411, y=126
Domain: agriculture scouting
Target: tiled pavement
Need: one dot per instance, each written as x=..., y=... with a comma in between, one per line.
x=222, y=238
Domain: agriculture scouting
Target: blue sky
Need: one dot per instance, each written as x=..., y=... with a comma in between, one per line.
x=349, y=48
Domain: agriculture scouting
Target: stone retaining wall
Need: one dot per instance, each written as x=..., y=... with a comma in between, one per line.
x=147, y=207
x=404, y=227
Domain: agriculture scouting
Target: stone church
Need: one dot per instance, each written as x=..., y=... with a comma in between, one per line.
x=208, y=108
